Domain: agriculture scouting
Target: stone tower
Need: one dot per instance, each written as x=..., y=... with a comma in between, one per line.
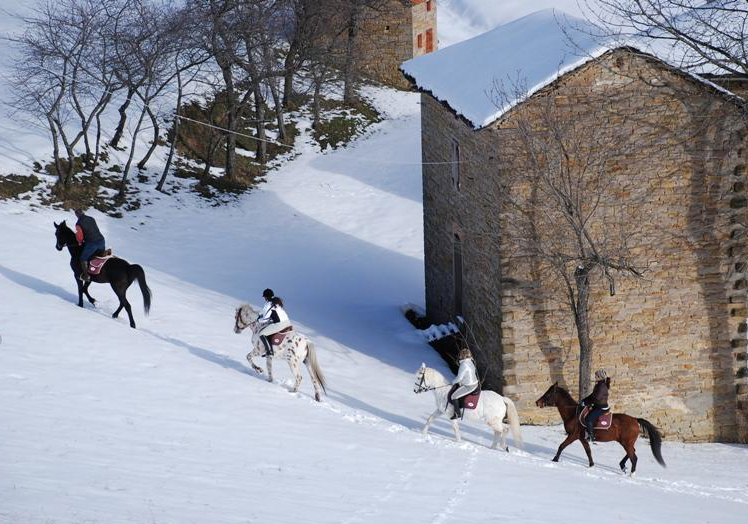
x=402, y=30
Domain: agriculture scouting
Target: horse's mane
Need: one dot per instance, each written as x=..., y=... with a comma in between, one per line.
x=565, y=394
x=433, y=376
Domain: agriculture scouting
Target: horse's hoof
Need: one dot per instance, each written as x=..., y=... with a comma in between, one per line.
x=592, y=464
x=317, y=397
x=506, y=449
x=269, y=379
x=115, y=315
x=554, y=459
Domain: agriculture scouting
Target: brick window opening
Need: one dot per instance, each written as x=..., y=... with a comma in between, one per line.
x=386, y=29
x=420, y=41
x=456, y=164
x=428, y=5
x=457, y=273
x=429, y=40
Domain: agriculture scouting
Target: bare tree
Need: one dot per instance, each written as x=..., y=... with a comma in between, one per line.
x=700, y=35
x=569, y=220
x=64, y=74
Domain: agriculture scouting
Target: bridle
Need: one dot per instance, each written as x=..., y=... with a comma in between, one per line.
x=239, y=322
x=422, y=387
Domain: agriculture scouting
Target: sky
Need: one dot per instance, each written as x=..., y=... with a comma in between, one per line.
x=468, y=18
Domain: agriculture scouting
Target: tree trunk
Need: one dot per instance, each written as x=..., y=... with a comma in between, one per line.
x=154, y=144
x=123, y=183
x=289, y=67
x=349, y=95
x=581, y=318
x=316, y=103
x=68, y=176
x=175, y=137
x=97, y=147
x=261, y=148
x=280, y=120
x=56, y=151
x=231, y=123
x=114, y=142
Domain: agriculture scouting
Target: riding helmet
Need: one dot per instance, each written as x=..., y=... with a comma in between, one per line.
x=268, y=294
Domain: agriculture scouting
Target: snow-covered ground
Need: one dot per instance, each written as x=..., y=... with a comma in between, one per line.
x=100, y=423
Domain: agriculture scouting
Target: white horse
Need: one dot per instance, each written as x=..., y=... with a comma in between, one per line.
x=491, y=408
x=294, y=348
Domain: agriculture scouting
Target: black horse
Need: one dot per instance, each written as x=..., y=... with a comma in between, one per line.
x=117, y=272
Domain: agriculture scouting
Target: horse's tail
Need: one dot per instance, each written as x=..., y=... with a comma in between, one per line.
x=135, y=272
x=513, y=416
x=314, y=368
x=655, y=439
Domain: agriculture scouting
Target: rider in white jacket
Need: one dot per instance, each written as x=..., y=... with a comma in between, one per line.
x=275, y=320
x=467, y=378
x=265, y=312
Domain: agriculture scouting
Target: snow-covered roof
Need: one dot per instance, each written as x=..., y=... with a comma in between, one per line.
x=531, y=51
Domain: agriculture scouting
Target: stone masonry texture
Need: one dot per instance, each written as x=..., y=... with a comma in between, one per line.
x=674, y=341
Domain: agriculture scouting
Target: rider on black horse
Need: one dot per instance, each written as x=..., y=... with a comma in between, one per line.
x=598, y=402
x=467, y=378
x=87, y=234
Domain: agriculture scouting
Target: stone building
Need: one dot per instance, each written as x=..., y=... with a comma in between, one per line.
x=401, y=30
x=675, y=341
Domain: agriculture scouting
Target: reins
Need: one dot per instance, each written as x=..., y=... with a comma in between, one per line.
x=421, y=386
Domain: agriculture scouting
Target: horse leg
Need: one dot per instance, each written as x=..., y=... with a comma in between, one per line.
x=293, y=363
x=269, y=364
x=631, y=453
x=456, y=427
x=569, y=439
x=120, y=288
x=499, y=431
x=586, y=446
x=80, y=291
x=91, y=299
x=622, y=464
x=430, y=420
x=315, y=382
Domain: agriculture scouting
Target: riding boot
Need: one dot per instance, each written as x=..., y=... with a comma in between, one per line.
x=84, y=276
x=268, y=346
x=456, y=408
x=591, y=434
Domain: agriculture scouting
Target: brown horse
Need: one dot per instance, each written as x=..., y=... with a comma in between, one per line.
x=624, y=428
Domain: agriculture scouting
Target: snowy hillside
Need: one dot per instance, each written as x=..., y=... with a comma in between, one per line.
x=102, y=424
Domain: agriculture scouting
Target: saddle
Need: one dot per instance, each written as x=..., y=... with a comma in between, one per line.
x=277, y=338
x=469, y=401
x=97, y=262
x=604, y=422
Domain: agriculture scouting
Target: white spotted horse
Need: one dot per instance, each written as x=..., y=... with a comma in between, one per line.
x=116, y=271
x=294, y=348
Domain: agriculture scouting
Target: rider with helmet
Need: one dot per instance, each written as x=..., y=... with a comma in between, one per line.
x=598, y=402
x=275, y=320
x=467, y=379
x=268, y=296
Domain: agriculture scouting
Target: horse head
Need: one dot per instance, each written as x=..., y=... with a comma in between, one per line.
x=549, y=397
x=420, y=386
x=245, y=317
x=63, y=234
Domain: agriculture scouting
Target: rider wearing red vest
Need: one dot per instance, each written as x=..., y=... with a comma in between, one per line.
x=88, y=235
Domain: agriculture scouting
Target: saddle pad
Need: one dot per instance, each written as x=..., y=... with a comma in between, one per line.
x=604, y=422
x=277, y=338
x=469, y=401
x=96, y=263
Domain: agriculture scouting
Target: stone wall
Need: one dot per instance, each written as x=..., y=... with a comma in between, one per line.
x=385, y=42
x=675, y=341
